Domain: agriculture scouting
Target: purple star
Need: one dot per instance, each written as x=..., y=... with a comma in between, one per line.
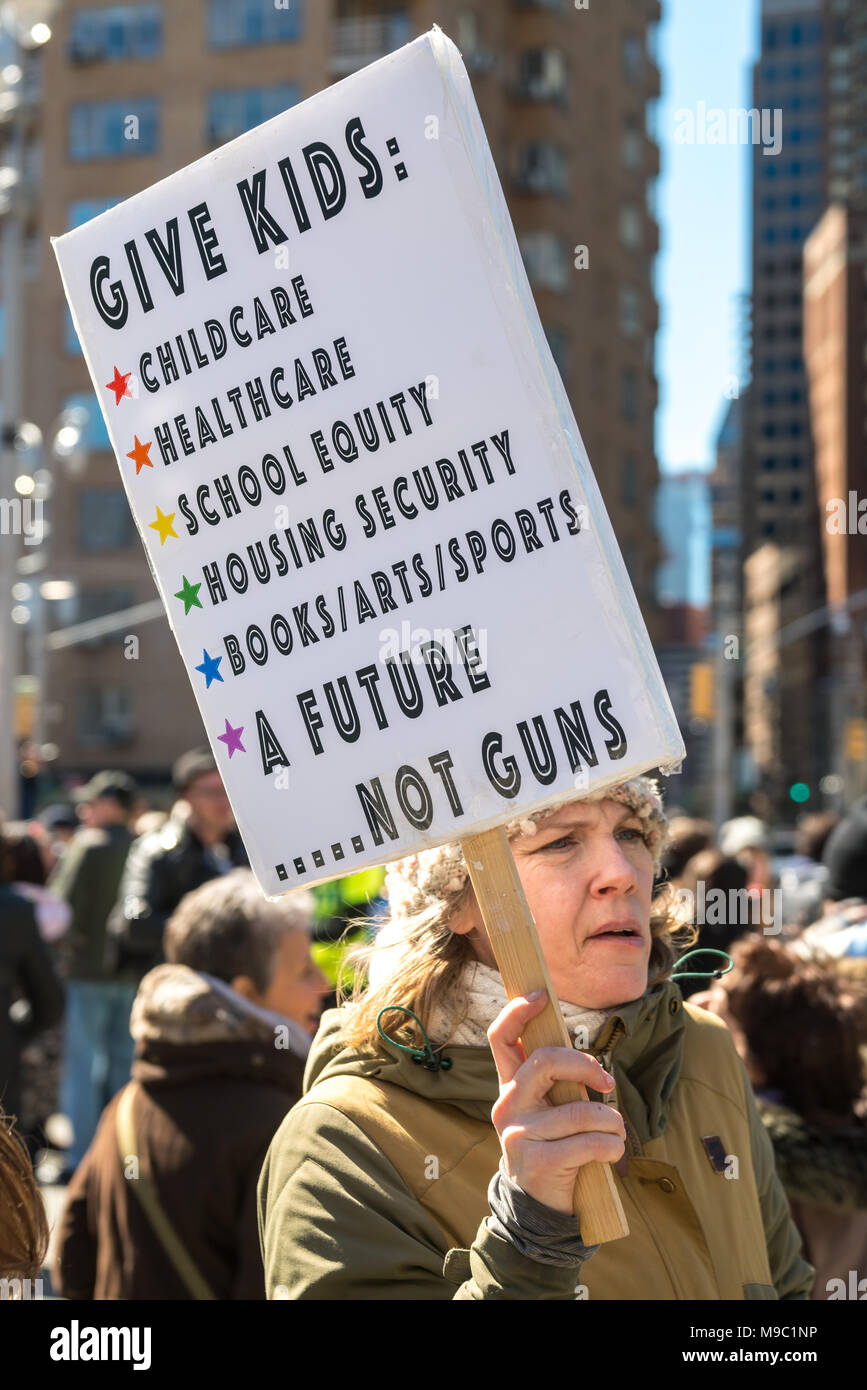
x=232, y=739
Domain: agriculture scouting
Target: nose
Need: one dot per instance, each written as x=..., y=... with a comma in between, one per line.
x=613, y=872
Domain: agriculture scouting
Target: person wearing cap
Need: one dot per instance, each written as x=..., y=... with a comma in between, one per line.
x=97, y=1048
x=424, y=1160
x=841, y=931
x=198, y=842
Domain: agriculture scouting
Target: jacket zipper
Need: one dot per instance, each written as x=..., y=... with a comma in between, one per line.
x=632, y=1141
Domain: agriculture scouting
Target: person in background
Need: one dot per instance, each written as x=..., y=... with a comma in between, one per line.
x=199, y=842
x=59, y=824
x=745, y=838
x=23, y=1223
x=841, y=930
x=799, y=1026
x=31, y=996
x=804, y=876
x=222, y=1033
x=688, y=836
x=23, y=866
x=97, y=1049
x=725, y=918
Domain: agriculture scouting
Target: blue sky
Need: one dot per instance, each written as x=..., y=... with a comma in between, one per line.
x=703, y=204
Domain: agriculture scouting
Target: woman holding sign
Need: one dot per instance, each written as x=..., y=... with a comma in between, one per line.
x=425, y=1162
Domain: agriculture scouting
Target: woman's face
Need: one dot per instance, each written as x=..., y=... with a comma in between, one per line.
x=588, y=877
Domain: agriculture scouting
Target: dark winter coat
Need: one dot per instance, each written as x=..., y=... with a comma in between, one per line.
x=161, y=869
x=26, y=972
x=88, y=877
x=216, y=1077
x=824, y=1172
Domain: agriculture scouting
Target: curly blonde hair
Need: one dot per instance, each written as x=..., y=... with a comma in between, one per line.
x=432, y=958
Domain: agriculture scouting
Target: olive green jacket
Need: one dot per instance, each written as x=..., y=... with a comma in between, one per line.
x=375, y=1185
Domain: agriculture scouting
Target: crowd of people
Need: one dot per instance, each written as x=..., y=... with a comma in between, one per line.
x=159, y=1014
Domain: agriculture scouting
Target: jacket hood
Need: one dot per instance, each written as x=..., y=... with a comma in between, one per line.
x=188, y=1025
x=642, y=1040
x=817, y=1164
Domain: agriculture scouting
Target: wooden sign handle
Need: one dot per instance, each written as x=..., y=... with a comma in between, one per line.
x=518, y=953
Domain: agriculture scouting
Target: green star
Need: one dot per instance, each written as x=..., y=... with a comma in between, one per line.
x=189, y=595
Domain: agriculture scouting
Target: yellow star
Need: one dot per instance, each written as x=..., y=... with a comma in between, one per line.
x=163, y=526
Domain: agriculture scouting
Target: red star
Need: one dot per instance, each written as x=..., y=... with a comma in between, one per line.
x=118, y=385
x=139, y=455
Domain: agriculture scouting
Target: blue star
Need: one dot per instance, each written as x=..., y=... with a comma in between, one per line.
x=209, y=668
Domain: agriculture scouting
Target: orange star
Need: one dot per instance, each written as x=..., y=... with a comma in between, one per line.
x=139, y=455
x=119, y=385
x=163, y=526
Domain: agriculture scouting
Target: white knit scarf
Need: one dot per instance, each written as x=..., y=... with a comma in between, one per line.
x=486, y=997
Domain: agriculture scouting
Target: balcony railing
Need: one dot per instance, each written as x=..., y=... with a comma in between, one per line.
x=358, y=42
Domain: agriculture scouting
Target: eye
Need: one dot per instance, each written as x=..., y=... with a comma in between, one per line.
x=632, y=835
x=562, y=843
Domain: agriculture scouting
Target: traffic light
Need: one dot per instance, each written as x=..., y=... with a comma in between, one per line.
x=701, y=691
x=856, y=740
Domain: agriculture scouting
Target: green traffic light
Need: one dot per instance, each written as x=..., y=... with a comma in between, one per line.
x=799, y=791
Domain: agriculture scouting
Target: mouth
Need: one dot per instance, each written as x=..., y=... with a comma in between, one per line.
x=625, y=932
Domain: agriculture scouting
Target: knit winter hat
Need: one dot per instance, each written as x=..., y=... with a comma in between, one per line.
x=845, y=855
x=439, y=875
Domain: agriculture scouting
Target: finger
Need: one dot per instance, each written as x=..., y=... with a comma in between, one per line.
x=535, y=1077
x=505, y=1032
x=561, y=1155
x=562, y=1121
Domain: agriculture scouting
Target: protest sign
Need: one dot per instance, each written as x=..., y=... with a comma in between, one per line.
x=358, y=480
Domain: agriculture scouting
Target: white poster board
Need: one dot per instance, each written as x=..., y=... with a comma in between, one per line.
x=359, y=482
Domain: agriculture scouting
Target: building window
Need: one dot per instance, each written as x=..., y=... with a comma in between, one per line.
x=235, y=110
x=117, y=31
x=633, y=56
x=94, y=435
x=630, y=311
x=103, y=602
x=631, y=140
x=108, y=129
x=768, y=528
x=84, y=209
x=104, y=521
x=545, y=260
x=233, y=23
x=795, y=494
x=542, y=74
x=542, y=168
x=629, y=394
x=629, y=480
x=558, y=342
x=105, y=716
x=769, y=464
x=630, y=226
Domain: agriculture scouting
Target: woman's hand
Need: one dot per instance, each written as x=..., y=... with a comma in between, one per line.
x=544, y=1145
